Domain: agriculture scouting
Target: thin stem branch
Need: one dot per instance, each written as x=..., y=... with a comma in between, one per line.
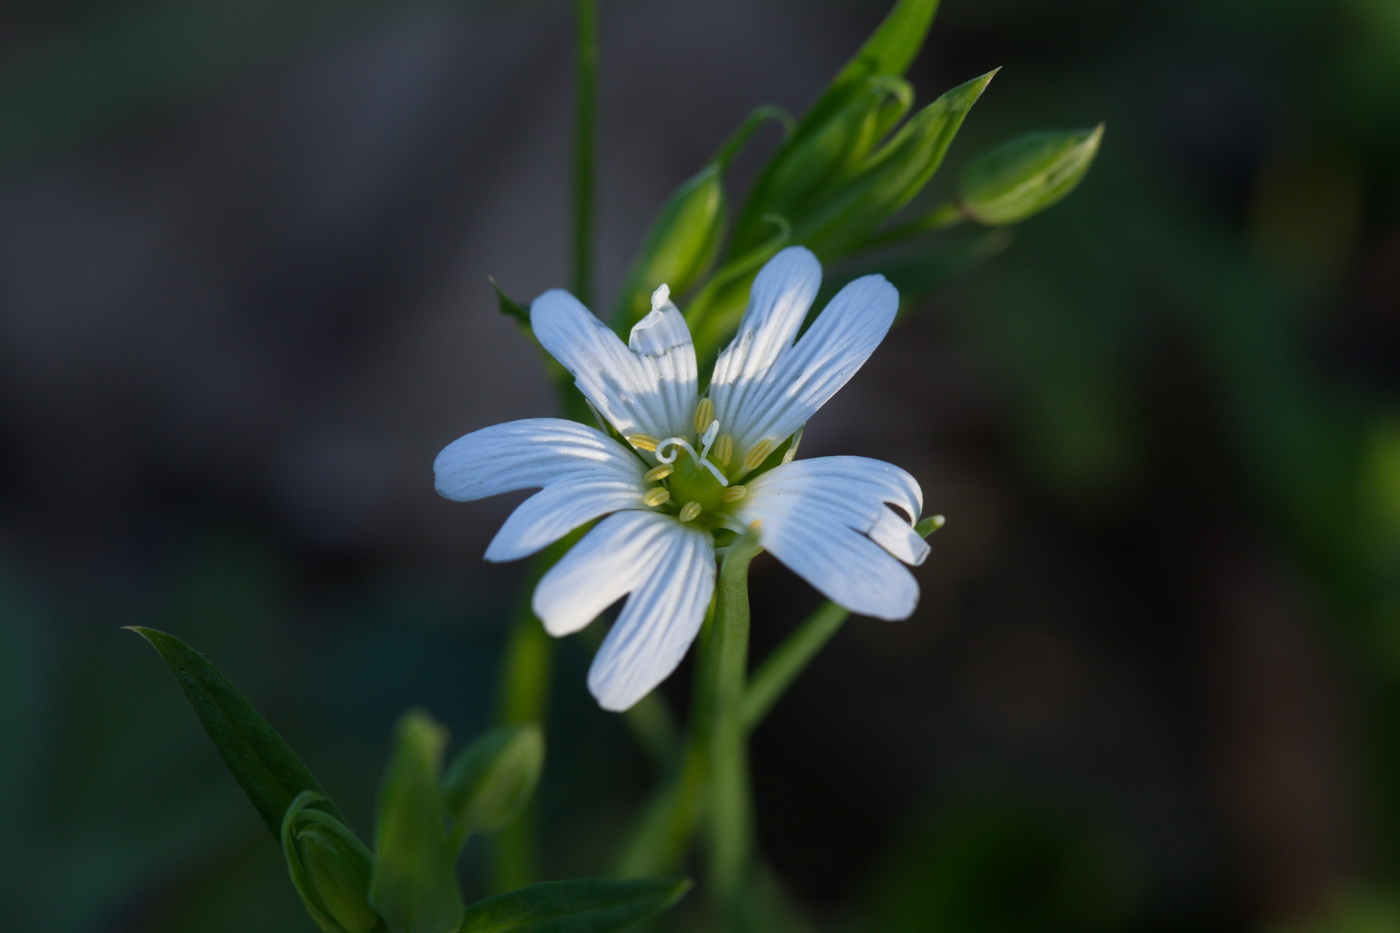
x=789, y=659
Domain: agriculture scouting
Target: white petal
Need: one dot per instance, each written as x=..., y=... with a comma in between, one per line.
x=659, y=622
x=662, y=344
x=530, y=453
x=802, y=380
x=611, y=561
x=778, y=302
x=556, y=510
x=627, y=390
x=827, y=520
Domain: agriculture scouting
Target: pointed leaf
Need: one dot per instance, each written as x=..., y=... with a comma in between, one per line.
x=894, y=175
x=509, y=306
x=581, y=906
x=413, y=885
x=261, y=761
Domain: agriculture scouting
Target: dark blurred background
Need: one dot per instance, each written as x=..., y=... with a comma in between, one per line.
x=1153, y=682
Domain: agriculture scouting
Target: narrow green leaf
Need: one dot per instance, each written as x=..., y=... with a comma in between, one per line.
x=413, y=885
x=581, y=906
x=889, y=51
x=261, y=761
x=491, y=780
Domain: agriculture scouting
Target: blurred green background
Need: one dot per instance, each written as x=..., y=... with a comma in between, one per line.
x=1153, y=682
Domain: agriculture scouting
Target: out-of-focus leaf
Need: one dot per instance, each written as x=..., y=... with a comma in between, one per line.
x=493, y=777
x=509, y=306
x=413, y=885
x=581, y=906
x=261, y=761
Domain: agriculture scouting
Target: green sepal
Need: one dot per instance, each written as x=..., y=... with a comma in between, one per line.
x=329, y=867
x=492, y=779
x=413, y=884
x=927, y=526
x=260, y=760
x=581, y=906
x=893, y=175
x=1017, y=179
x=682, y=243
x=509, y=306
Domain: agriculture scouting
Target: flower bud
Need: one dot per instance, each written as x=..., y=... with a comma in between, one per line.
x=493, y=778
x=682, y=242
x=1009, y=183
x=329, y=866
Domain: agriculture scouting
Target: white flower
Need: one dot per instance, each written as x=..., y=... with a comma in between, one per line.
x=694, y=469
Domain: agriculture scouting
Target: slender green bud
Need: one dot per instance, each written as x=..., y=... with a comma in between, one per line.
x=329, y=866
x=492, y=778
x=682, y=243
x=1009, y=183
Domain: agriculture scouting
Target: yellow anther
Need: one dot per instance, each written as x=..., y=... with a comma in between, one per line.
x=659, y=472
x=704, y=414
x=758, y=454
x=723, y=450
x=658, y=496
x=642, y=441
x=689, y=512
x=735, y=493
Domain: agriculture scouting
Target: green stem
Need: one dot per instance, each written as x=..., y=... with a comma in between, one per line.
x=789, y=659
x=585, y=143
x=719, y=728
x=946, y=215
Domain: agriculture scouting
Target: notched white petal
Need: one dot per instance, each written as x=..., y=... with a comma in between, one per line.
x=612, y=560
x=526, y=454
x=829, y=520
x=659, y=621
x=556, y=510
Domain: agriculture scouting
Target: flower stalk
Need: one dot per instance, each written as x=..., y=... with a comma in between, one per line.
x=720, y=729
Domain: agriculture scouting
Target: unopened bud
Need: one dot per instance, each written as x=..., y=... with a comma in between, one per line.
x=1009, y=183
x=330, y=868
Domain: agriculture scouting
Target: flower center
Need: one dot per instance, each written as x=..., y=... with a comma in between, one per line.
x=693, y=485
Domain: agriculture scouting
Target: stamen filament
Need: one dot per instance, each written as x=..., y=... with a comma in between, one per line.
x=657, y=497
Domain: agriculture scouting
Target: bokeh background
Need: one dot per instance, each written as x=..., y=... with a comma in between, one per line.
x=1154, y=682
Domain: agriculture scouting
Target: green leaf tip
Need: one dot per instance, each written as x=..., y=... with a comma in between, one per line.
x=260, y=760
x=508, y=305
x=578, y=906
x=1024, y=176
